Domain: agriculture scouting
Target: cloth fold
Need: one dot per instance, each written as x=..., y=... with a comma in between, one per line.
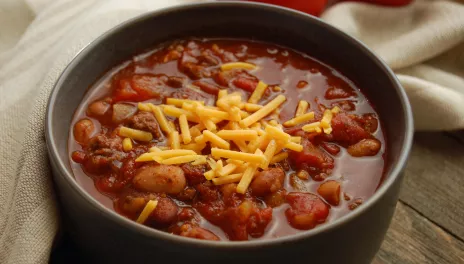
x=423, y=43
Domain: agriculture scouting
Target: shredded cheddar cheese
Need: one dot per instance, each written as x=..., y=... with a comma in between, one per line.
x=232, y=178
x=127, y=144
x=185, y=130
x=279, y=157
x=135, y=134
x=248, y=175
x=263, y=112
x=302, y=108
x=244, y=135
x=230, y=154
x=252, y=107
x=238, y=134
x=174, y=140
x=257, y=93
x=199, y=161
x=237, y=65
x=269, y=153
x=162, y=121
x=180, y=159
x=147, y=210
x=143, y=107
x=299, y=119
x=179, y=102
x=215, y=139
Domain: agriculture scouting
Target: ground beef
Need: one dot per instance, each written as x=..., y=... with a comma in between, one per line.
x=145, y=121
x=104, y=152
x=194, y=173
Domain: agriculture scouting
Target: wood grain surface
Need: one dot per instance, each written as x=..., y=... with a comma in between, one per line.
x=428, y=225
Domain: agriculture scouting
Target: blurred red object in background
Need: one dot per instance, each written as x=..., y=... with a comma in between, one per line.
x=313, y=7
x=384, y=2
x=316, y=7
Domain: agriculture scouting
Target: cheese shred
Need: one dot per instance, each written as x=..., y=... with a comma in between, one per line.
x=147, y=210
x=135, y=134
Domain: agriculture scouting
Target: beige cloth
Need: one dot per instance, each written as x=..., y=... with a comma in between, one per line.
x=423, y=43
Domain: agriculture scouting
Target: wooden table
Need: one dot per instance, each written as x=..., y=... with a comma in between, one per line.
x=428, y=225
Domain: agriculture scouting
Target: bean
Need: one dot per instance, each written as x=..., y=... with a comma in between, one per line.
x=160, y=179
x=133, y=205
x=165, y=212
x=365, y=147
x=98, y=108
x=83, y=130
x=267, y=181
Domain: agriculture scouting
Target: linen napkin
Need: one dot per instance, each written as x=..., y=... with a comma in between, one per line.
x=423, y=43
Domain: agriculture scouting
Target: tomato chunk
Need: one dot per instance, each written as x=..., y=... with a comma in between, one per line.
x=347, y=131
x=246, y=84
x=148, y=87
x=312, y=159
x=307, y=210
x=124, y=92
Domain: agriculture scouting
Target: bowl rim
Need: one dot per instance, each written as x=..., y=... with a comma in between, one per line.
x=390, y=179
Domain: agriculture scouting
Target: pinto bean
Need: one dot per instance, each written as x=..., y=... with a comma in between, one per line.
x=132, y=205
x=165, y=212
x=267, y=181
x=98, y=108
x=160, y=179
x=365, y=147
x=83, y=130
x=330, y=191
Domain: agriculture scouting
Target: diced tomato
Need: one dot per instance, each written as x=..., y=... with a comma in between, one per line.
x=258, y=221
x=78, y=156
x=331, y=148
x=124, y=92
x=109, y=184
x=307, y=210
x=246, y=84
x=224, y=77
x=147, y=86
x=312, y=159
x=347, y=131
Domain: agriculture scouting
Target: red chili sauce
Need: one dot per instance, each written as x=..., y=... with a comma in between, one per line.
x=332, y=175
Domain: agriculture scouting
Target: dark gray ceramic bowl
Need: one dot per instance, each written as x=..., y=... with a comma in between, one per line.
x=105, y=236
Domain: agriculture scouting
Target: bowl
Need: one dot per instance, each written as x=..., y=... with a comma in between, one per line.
x=104, y=235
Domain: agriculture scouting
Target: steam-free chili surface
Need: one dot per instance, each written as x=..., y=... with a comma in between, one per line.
x=333, y=174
